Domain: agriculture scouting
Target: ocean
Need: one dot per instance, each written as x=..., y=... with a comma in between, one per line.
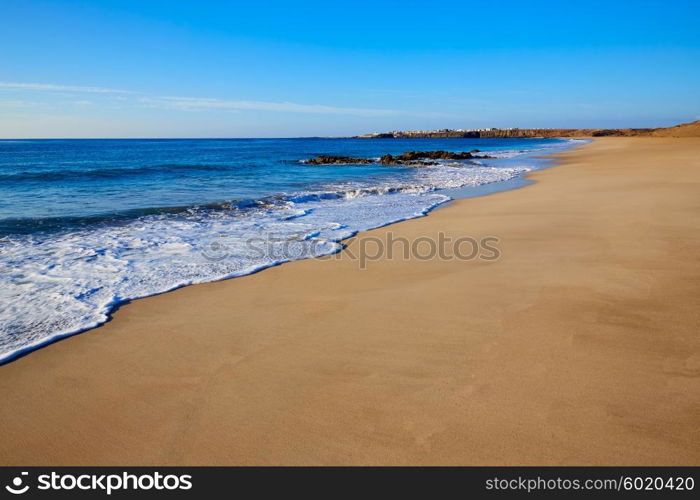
x=88, y=224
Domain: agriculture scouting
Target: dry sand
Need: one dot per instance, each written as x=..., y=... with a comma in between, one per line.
x=581, y=345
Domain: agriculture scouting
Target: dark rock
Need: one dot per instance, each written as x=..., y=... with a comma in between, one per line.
x=337, y=160
x=419, y=157
x=607, y=133
x=412, y=158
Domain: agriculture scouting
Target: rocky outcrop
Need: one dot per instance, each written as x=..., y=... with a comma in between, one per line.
x=419, y=158
x=336, y=160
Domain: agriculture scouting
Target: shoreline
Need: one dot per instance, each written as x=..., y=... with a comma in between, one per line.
x=455, y=193
x=435, y=362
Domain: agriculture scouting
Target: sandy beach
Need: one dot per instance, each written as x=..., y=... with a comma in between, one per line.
x=579, y=346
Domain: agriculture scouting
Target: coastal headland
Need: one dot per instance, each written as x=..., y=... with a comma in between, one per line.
x=684, y=130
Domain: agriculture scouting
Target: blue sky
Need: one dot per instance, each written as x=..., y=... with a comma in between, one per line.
x=277, y=69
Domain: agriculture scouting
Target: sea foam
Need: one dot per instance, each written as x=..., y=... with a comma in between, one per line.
x=58, y=283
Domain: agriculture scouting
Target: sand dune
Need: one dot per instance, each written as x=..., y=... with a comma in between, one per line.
x=682, y=130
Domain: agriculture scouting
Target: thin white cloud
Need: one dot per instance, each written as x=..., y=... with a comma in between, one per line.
x=18, y=103
x=61, y=88
x=198, y=103
x=201, y=103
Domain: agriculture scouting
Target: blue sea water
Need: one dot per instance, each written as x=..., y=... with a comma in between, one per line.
x=87, y=224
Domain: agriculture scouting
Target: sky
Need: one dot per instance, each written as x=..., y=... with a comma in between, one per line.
x=290, y=69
